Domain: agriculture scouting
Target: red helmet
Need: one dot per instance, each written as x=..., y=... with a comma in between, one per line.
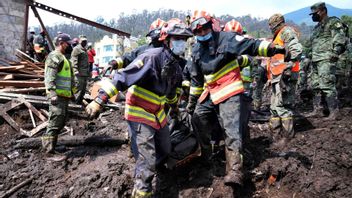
x=233, y=26
x=174, y=27
x=199, y=19
x=155, y=27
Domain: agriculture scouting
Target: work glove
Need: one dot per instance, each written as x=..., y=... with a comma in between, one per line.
x=192, y=102
x=92, y=109
x=53, y=98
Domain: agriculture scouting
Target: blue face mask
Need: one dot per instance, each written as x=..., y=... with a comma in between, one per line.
x=205, y=37
x=178, y=47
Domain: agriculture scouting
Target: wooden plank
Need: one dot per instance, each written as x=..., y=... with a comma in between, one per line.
x=25, y=90
x=37, y=129
x=22, y=76
x=9, y=77
x=11, y=122
x=18, y=83
x=33, y=109
x=9, y=105
x=11, y=68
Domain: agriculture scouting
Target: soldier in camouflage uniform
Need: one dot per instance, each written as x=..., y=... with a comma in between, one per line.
x=259, y=80
x=284, y=75
x=328, y=42
x=79, y=59
x=59, y=84
x=343, y=73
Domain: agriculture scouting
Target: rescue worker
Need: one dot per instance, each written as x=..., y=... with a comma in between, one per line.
x=154, y=34
x=30, y=48
x=215, y=65
x=343, y=72
x=328, y=42
x=79, y=59
x=284, y=73
x=151, y=81
x=259, y=79
x=60, y=87
x=41, y=47
x=246, y=75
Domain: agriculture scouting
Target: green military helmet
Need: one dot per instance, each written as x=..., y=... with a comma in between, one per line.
x=275, y=20
x=316, y=7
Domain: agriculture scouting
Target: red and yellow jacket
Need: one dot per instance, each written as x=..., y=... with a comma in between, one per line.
x=147, y=92
x=216, y=71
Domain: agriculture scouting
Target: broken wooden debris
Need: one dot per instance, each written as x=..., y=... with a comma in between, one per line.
x=25, y=90
x=15, y=103
x=20, y=83
x=17, y=187
x=31, y=143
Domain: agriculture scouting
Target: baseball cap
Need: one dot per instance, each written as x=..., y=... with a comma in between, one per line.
x=64, y=37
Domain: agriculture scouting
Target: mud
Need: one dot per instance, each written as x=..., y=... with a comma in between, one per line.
x=316, y=163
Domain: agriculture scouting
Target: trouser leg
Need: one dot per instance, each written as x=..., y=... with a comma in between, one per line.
x=56, y=122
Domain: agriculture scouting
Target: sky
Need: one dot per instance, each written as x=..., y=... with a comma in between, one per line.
x=109, y=9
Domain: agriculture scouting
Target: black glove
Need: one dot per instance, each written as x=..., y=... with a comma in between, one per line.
x=192, y=102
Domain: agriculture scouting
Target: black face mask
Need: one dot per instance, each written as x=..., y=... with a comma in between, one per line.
x=84, y=43
x=316, y=17
x=68, y=49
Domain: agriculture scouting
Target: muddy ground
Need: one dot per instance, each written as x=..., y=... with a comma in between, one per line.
x=317, y=163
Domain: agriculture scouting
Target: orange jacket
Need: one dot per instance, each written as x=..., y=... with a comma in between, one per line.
x=276, y=64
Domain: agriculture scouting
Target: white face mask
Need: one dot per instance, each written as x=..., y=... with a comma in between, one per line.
x=178, y=47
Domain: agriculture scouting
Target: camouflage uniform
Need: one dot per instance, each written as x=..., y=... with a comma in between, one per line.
x=58, y=112
x=79, y=59
x=328, y=42
x=343, y=70
x=283, y=82
x=259, y=80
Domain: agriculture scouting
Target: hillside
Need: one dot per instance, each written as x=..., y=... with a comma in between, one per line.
x=302, y=15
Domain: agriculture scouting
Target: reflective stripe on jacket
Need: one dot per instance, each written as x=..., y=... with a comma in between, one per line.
x=277, y=63
x=224, y=83
x=63, y=81
x=145, y=106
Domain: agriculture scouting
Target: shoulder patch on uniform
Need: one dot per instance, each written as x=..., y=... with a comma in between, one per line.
x=139, y=63
x=239, y=38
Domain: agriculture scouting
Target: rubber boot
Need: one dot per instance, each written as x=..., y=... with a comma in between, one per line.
x=234, y=172
x=317, y=109
x=287, y=125
x=48, y=144
x=332, y=103
x=275, y=127
x=141, y=194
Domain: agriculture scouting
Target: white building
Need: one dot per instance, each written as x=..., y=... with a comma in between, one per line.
x=111, y=48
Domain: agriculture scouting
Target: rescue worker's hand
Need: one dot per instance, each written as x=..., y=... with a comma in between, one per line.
x=275, y=49
x=192, y=102
x=53, y=98
x=92, y=109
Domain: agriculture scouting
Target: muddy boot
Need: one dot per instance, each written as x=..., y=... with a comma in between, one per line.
x=140, y=194
x=332, y=103
x=287, y=125
x=318, y=110
x=275, y=127
x=48, y=145
x=234, y=174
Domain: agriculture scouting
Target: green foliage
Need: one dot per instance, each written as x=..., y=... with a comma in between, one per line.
x=348, y=21
x=137, y=25
x=142, y=41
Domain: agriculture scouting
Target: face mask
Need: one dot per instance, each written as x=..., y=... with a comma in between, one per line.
x=204, y=38
x=68, y=49
x=316, y=17
x=178, y=47
x=84, y=43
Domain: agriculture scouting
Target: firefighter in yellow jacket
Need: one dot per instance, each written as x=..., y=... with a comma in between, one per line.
x=284, y=73
x=215, y=65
